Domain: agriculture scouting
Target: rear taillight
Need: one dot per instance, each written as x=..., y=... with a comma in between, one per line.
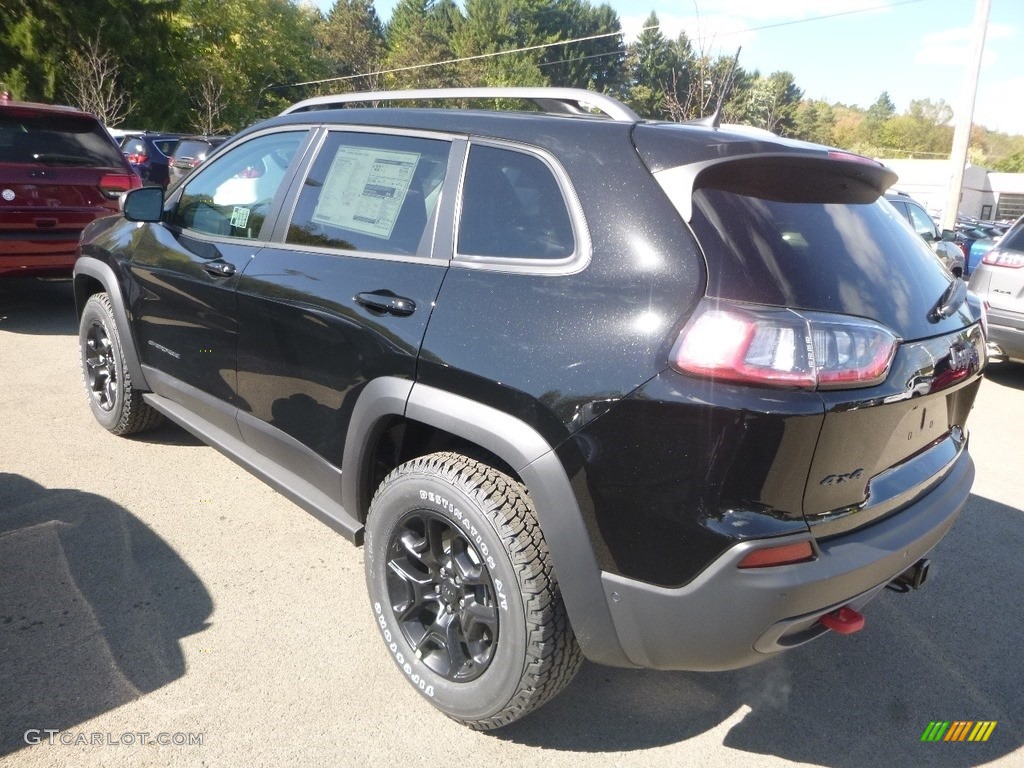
x=136, y=159
x=113, y=185
x=780, y=347
x=1010, y=259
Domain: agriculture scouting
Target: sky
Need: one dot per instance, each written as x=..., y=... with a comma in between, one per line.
x=850, y=51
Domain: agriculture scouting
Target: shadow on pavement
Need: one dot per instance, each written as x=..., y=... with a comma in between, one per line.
x=948, y=652
x=92, y=606
x=38, y=306
x=1008, y=374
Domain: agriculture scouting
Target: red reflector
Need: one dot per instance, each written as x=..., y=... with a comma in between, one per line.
x=785, y=554
x=845, y=621
x=136, y=159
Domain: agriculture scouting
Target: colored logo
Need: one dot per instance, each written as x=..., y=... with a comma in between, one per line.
x=959, y=730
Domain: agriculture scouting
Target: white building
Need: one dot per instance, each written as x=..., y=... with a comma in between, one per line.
x=985, y=194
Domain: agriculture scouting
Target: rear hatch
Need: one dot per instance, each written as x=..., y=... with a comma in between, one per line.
x=57, y=173
x=873, y=322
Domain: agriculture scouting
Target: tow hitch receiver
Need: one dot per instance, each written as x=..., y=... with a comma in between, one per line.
x=912, y=578
x=844, y=620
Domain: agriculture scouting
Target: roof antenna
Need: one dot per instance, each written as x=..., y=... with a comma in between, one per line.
x=714, y=120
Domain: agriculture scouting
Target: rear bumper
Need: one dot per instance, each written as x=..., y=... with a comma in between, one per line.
x=1006, y=332
x=728, y=618
x=38, y=251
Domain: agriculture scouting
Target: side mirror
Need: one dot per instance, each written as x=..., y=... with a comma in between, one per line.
x=143, y=204
x=948, y=236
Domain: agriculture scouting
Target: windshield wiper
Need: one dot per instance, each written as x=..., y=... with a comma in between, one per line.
x=58, y=159
x=950, y=301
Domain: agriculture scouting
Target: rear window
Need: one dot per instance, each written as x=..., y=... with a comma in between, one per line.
x=852, y=258
x=192, y=149
x=1014, y=239
x=56, y=140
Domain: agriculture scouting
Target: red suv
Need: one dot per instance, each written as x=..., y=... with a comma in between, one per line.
x=59, y=170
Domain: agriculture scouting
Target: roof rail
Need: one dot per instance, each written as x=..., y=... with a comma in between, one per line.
x=561, y=101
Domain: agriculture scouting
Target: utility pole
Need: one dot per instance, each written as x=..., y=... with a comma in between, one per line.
x=965, y=115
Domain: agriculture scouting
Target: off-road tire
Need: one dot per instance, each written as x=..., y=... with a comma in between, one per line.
x=115, y=403
x=528, y=653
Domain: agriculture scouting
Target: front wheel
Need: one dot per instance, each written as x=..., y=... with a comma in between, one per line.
x=463, y=591
x=115, y=403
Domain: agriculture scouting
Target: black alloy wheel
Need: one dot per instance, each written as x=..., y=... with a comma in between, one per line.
x=100, y=368
x=442, y=596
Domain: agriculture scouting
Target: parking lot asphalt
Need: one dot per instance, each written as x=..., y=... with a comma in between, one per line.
x=160, y=606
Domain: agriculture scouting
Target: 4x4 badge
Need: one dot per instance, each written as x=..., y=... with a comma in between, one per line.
x=842, y=478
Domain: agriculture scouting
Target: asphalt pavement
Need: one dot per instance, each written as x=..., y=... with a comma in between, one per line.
x=159, y=606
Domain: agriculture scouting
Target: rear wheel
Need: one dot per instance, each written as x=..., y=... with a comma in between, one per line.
x=113, y=401
x=463, y=590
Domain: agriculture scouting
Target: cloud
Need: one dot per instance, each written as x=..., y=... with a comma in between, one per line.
x=996, y=111
x=952, y=47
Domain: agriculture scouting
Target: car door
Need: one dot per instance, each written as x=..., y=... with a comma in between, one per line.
x=344, y=293
x=188, y=266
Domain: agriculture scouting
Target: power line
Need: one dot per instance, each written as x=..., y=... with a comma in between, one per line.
x=586, y=39
x=465, y=58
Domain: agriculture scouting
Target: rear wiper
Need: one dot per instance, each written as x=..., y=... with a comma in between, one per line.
x=950, y=301
x=58, y=159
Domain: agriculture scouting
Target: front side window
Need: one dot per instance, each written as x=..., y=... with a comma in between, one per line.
x=231, y=197
x=513, y=208
x=370, y=192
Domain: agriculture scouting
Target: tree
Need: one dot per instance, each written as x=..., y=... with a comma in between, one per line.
x=771, y=103
x=650, y=63
x=351, y=43
x=492, y=26
x=92, y=82
x=209, y=103
x=815, y=120
x=419, y=33
x=596, y=64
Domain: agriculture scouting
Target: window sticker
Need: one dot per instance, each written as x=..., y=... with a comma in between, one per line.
x=365, y=189
x=239, y=217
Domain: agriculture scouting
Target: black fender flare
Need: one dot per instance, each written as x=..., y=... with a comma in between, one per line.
x=523, y=449
x=87, y=266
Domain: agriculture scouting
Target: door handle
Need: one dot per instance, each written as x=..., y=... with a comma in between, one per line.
x=219, y=268
x=385, y=301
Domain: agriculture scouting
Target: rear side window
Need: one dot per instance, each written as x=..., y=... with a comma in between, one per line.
x=513, y=208
x=231, y=196
x=370, y=192
x=56, y=140
x=166, y=145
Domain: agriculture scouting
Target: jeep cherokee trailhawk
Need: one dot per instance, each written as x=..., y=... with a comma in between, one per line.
x=583, y=385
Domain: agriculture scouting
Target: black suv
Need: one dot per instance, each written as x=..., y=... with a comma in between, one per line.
x=657, y=395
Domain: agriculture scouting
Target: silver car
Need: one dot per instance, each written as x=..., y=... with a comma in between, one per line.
x=999, y=281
